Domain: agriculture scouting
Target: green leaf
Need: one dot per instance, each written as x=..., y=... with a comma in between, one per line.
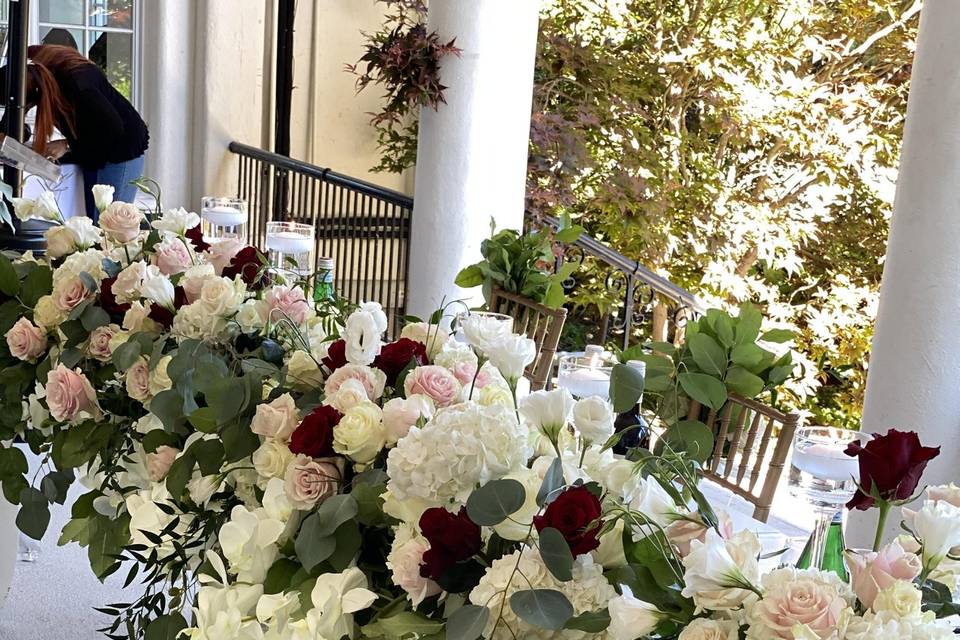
x=556, y=554
x=158, y=437
x=94, y=317
x=589, y=622
x=179, y=475
x=55, y=484
x=203, y=419
x=723, y=327
x=544, y=608
x=38, y=283
x=747, y=355
x=569, y=234
x=348, y=540
x=705, y=389
x=688, y=436
x=313, y=548
x=168, y=407
x=333, y=512
x=208, y=454
x=626, y=387
x=34, y=515
x=748, y=324
x=166, y=627
x=938, y=598
x=370, y=504
x=741, y=381
x=469, y=277
x=9, y=282
x=552, y=482
x=126, y=354
x=709, y=356
x=467, y=622
x=402, y=626
x=492, y=503
x=778, y=336
x=279, y=576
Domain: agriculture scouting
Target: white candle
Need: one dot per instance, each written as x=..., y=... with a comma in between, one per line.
x=225, y=216
x=826, y=461
x=289, y=242
x=586, y=382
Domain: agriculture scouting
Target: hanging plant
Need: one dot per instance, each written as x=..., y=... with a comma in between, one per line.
x=404, y=59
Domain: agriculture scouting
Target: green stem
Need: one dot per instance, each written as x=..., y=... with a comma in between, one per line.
x=881, y=522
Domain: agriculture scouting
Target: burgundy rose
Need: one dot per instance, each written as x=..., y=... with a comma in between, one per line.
x=576, y=515
x=314, y=436
x=336, y=355
x=163, y=315
x=453, y=538
x=195, y=236
x=247, y=265
x=890, y=466
x=108, y=301
x=395, y=357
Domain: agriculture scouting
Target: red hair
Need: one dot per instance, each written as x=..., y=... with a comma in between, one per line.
x=47, y=62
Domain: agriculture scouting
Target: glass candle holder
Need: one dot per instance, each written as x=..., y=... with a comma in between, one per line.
x=224, y=218
x=290, y=247
x=584, y=376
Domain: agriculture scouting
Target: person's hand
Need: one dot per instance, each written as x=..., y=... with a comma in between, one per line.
x=56, y=150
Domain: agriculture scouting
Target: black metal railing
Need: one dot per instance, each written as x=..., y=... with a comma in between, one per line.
x=363, y=227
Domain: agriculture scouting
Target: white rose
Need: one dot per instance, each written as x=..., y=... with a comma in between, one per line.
x=193, y=279
x=46, y=314
x=60, y=242
x=159, y=380
x=360, y=434
x=137, y=318
x=248, y=317
x=177, y=221
x=272, y=458
x=511, y=355
x=222, y=296
x=706, y=629
x=277, y=419
x=937, y=525
x=126, y=288
x=399, y=414
x=593, y=417
x=303, y=373
x=350, y=394
x=102, y=196
x=85, y=233
x=720, y=574
x=157, y=287
x=492, y=394
x=430, y=335
x=631, y=617
x=547, y=411
x=900, y=600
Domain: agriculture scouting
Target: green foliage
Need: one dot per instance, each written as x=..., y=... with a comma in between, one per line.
x=545, y=608
x=495, y=501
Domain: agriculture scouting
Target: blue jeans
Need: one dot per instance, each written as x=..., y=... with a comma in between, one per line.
x=117, y=176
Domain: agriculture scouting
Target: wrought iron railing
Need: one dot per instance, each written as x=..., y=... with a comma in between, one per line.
x=363, y=227
x=366, y=229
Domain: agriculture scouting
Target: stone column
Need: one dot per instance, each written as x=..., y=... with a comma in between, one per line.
x=472, y=155
x=914, y=378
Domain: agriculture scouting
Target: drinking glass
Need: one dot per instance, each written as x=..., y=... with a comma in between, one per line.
x=290, y=246
x=823, y=475
x=224, y=218
x=584, y=376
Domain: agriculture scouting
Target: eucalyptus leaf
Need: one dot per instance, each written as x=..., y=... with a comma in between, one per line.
x=556, y=554
x=333, y=512
x=492, y=503
x=467, y=622
x=312, y=547
x=544, y=608
x=552, y=482
x=590, y=622
x=34, y=515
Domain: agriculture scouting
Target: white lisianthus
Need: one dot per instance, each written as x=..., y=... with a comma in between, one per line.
x=631, y=617
x=593, y=417
x=60, y=242
x=720, y=574
x=610, y=553
x=511, y=355
x=126, y=288
x=102, y=196
x=404, y=560
x=653, y=501
x=706, y=629
x=177, y=221
x=483, y=330
x=362, y=333
x=157, y=287
x=248, y=542
x=547, y=411
x=248, y=317
x=44, y=207
x=303, y=373
x=360, y=434
x=85, y=233
x=937, y=525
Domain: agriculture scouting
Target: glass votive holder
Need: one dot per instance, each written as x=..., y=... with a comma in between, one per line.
x=584, y=375
x=224, y=218
x=290, y=247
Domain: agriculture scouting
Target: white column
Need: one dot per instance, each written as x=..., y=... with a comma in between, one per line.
x=914, y=378
x=472, y=154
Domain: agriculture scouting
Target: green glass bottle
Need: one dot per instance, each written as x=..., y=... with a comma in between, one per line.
x=833, y=550
x=323, y=290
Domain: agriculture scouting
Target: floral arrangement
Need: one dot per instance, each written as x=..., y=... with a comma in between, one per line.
x=268, y=472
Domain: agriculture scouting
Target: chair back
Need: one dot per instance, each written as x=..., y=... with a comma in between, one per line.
x=750, y=448
x=540, y=323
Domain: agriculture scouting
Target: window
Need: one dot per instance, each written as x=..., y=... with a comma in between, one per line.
x=102, y=30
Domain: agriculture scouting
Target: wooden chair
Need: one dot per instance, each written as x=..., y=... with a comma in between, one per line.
x=743, y=459
x=539, y=323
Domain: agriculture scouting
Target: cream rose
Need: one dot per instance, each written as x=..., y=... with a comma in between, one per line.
x=706, y=629
x=360, y=434
x=98, y=346
x=137, y=318
x=137, y=380
x=126, y=288
x=121, y=221
x=159, y=380
x=808, y=599
x=373, y=380
x=60, y=242
x=871, y=572
x=430, y=335
x=69, y=293
x=303, y=373
x=276, y=419
x=26, y=341
x=47, y=314
x=70, y=395
x=309, y=482
x=399, y=414
x=159, y=462
x=272, y=459
x=435, y=382
x=899, y=600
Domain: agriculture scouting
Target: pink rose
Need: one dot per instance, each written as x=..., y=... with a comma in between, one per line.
x=69, y=293
x=373, y=380
x=99, y=344
x=437, y=383
x=285, y=302
x=26, y=341
x=399, y=414
x=792, y=598
x=121, y=221
x=70, y=394
x=404, y=563
x=221, y=253
x=682, y=532
x=872, y=572
x=465, y=371
x=277, y=419
x=309, y=482
x=159, y=462
x=138, y=380
x=172, y=256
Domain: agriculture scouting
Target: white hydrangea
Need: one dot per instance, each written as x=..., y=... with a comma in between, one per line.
x=89, y=261
x=454, y=353
x=588, y=591
x=462, y=447
x=873, y=626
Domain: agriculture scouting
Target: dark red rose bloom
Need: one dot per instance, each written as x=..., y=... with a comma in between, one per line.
x=314, y=436
x=108, y=301
x=247, y=265
x=195, y=236
x=336, y=355
x=394, y=357
x=163, y=315
x=453, y=538
x=890, y=465
x=576, y=515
